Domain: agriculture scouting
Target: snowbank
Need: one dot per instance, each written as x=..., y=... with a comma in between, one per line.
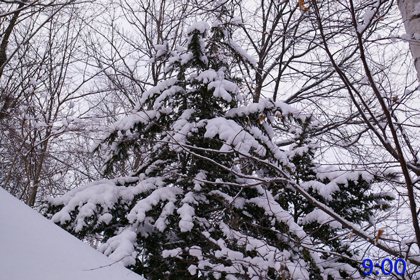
x=33, y=247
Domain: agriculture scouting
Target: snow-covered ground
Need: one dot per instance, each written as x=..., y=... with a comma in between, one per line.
x=33, y=247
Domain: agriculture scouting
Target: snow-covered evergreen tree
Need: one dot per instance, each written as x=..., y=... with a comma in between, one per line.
x=212, y=193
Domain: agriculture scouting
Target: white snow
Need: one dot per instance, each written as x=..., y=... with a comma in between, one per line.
x=335, y=177
x=107, y=194
x=157, y=89
x=284, y=109
x=405, y=37
x=242, y=52
x=196, y=252
x=171, y=253
x=192, y=269
x=272, y=208
x=167, y=210
x=186, y=213
x=361, y=28
x=129, y=121
x=416, y=11
x=201, y=26
x=325, y=191
x=138, y=213
x=33, y=247
x=120, y=248
x=186, y=57
x=222, y=88
x=237, y=20
x=162, y=49
x=33, y=81
x=367, y=17
x=233, y=134
x=207, y=76
x=322, y=218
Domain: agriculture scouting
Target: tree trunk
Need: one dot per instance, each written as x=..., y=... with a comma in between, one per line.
x=34, y=190
x=410, y=12
x=8, y=100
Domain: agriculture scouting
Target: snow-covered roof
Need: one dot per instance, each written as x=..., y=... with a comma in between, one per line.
x=33, y=247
